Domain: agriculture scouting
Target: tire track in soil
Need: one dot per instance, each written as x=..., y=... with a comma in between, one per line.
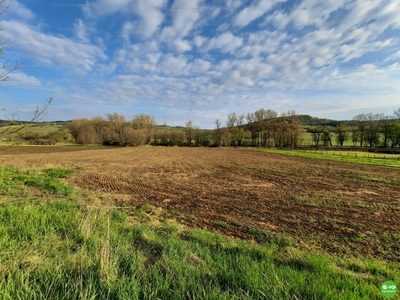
x=247, y=189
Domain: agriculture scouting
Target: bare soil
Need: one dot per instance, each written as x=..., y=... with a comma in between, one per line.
x=334, y=206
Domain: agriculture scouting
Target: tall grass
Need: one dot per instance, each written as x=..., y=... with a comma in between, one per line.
x=59, y=249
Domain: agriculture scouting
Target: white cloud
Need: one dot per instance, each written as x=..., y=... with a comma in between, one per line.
x=254, y=11
x=127, y=30
x=106, y=69
x=232, y=5
x=200, y=66
x=223, y=27
x=103, y=7
x=182, y=46
x=394, y=56
x=175, y=66
x=307, y=12
x=60, y=52
x=226, y=42
x=82, y=31
x=199, y=40
x=20, y=11
x=18, y=78
x=149, y=12
x=279, y=19
x=225, y=66
x=184, y=16
x=154, y=57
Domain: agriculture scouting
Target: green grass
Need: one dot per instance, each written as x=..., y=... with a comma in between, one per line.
x=335, y=155
x=39, y=128
x=306, y=139
x=46, y=179
x=55, y=248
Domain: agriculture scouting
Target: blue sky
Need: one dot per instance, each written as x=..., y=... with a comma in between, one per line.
x=200, y=60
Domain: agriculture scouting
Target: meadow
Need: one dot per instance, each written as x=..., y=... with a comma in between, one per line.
x=194, y=223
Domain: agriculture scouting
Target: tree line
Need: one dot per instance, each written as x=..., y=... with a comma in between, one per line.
x=373, y=130
x=262, y=128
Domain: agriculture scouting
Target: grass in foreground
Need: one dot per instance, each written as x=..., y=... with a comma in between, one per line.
x=333, y=155
x=52, y=248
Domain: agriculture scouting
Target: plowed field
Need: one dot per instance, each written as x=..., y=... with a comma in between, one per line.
x=334, y=206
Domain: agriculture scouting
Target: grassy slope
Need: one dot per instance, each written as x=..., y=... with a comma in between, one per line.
x=55, y=245
x=42, y=129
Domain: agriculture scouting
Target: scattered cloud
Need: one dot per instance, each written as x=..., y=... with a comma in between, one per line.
x=19, y=11
x=254, y=11
x=205, y=57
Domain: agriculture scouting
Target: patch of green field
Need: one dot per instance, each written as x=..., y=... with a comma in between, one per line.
x=53, y=248
x=345, y=157
x=43, y=129
x=306, y=140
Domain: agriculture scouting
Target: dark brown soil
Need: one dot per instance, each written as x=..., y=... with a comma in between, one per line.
x=334, y=206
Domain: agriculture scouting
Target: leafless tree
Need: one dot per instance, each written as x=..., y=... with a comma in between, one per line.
x=362, y=122
x=189, y=132
x=252, y=126
x=217, y=133
x=374, y=126
x=316, y=134
x=397, y=113
x=100, y=126
x=145, y=123
x=4, y=77
x=118, y=124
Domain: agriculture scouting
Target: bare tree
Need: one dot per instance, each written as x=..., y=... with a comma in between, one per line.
x=397, y=113
x=252, y=126
x=189, y=132
x=4, y=65
x=260, y=116
x=316, y=134
x=36, y=117
x=118, y=124
x=295, y=128
x=100, y=126
x=232, y=118
x=374, y=125
x=146, y=123
x=269, y=125
x=4, y=77
x=362, y=122
x=235, y=126
x=217, y=133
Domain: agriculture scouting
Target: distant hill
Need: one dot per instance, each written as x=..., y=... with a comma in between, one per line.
x=17, y=122
x=308, y=120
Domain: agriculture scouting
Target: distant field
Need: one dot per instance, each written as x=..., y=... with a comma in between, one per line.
x=255, y=224
x=42, y=129
x=357, y=157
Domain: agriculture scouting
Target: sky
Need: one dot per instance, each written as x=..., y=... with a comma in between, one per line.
x=200, y=60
